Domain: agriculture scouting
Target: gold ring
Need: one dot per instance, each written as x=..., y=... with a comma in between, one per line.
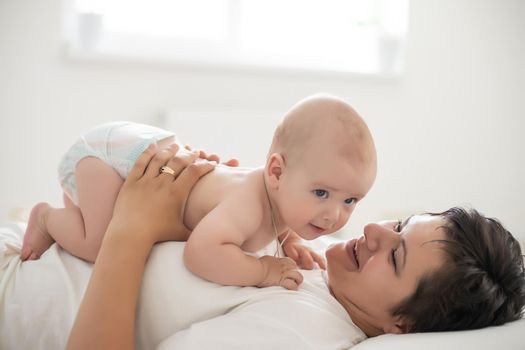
x=166, y=169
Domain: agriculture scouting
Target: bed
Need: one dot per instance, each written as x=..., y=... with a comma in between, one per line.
x=55, y=284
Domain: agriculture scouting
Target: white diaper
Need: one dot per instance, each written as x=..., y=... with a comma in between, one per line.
x=118, y=144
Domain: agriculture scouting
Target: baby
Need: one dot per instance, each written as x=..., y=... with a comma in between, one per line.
x=321, y=163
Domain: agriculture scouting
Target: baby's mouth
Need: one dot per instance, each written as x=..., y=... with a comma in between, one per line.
x=317, y=228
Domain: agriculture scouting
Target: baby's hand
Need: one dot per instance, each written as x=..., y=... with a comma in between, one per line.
x=280, y=272
x=304, y=256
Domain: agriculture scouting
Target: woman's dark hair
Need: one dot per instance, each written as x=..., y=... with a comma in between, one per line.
x=481, y=283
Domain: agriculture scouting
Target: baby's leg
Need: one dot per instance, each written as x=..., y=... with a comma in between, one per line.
x=36, y=239
x=79, y=230
x=68, y=203
x=98, y=185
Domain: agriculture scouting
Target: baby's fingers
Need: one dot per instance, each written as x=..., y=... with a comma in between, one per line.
x=306, y=260
x=292, y=280
x=291, y=252
x=320, y=260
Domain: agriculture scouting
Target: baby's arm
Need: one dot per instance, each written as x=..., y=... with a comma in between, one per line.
x=303, y=255
x=213, y=252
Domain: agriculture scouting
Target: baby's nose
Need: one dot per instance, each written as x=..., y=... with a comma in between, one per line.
x=332, y=215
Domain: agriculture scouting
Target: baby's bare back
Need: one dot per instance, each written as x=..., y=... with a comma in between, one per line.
x=242, y=190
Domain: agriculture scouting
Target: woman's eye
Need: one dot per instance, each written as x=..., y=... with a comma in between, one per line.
x=393, y=253
x=321, y=193
x=397, y=228
x=350, y=201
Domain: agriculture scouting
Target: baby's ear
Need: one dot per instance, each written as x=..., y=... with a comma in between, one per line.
x=274, y=169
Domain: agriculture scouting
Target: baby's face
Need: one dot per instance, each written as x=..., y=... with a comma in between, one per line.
x=317, y=195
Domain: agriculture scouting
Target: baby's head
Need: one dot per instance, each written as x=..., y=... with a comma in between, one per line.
x=322, y=161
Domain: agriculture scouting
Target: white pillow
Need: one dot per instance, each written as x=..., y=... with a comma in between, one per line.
x=508, y=336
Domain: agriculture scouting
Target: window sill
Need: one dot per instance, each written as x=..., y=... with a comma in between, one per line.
x=76, y=53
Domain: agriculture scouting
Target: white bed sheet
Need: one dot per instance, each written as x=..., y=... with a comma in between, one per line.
x=45, y=323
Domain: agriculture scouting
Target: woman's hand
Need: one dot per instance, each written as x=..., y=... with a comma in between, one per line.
x=149, y=209
x=213, y=157
x=151, y=202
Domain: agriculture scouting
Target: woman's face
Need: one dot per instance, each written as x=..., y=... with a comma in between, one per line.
x=375, y=272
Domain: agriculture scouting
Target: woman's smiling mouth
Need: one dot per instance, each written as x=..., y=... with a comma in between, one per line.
x=351, y=249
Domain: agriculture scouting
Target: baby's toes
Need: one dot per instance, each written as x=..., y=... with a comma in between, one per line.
x=26, y=252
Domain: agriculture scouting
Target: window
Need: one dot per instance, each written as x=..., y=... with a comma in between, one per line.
x=363, y=36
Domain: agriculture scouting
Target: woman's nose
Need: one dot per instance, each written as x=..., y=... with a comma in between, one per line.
x=378, y=235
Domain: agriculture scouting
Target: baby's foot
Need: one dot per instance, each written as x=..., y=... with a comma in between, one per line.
x=36, y=239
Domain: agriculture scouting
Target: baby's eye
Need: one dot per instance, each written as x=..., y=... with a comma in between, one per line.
x=350, y=201
x=321, y=193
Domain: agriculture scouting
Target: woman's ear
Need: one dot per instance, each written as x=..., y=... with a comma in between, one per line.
x=274, y=170
x=398, y=326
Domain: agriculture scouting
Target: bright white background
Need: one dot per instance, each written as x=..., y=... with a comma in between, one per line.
x=450, y=131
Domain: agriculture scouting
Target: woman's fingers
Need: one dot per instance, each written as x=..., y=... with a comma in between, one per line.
x=142, y=163
x=214, y=157
x=160, y=159
x=179, y=162
x=232, y=162
x=152, y=160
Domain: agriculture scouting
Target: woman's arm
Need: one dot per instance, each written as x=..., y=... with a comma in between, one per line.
x=149, y=209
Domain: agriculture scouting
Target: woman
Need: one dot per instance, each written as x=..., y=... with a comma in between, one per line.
x=454, y=270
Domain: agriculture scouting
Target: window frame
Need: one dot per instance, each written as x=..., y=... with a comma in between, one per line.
x=86, y=39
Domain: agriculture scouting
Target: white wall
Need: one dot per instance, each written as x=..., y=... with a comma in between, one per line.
x=448, y=132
